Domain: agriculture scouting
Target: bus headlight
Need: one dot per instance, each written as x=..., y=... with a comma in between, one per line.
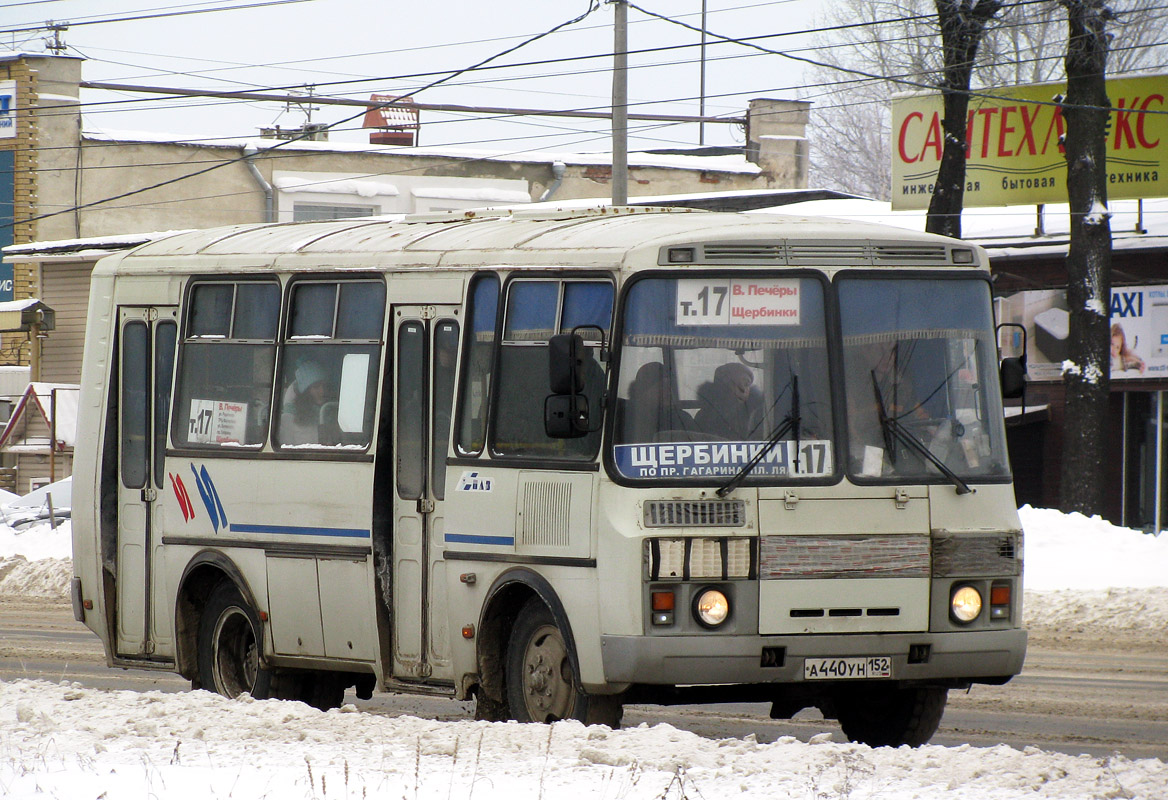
x=711, y=608
x=965, y=604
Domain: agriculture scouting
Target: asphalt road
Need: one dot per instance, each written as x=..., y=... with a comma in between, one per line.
x=1074, y=696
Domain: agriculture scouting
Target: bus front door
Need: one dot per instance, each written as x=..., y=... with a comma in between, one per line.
x=425, y=346
x=146, y=343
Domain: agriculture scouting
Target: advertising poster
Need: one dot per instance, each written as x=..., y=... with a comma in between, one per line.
x=1014, y=144
x=1139, y=331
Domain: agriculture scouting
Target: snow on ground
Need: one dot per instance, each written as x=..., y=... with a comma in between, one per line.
x=62, y=741
x=66, y=741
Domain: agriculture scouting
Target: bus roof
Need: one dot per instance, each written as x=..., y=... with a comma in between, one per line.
x=596, y=237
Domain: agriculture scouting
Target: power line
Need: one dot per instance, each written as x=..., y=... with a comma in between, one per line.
x=593, y=5
x=886, y=78
x=341, y=101
x=160, y=15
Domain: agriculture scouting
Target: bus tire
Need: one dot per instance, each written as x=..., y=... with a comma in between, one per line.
x=229, y=646
x=321, y=690
x=542, y=684
x=890, y=717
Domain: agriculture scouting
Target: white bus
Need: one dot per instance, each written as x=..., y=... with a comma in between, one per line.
x=556, y=461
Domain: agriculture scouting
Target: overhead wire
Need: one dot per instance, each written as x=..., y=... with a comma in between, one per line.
x=762, y=51
x=593, y=136
x=726, y=39
x=593, y=5
x=105, y=19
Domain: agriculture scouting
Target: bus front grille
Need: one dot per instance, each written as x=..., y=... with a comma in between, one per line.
x=695, y=513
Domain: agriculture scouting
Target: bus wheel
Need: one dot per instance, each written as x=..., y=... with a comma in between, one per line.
x=541, y=683
x=229, y=647
x=887, y=717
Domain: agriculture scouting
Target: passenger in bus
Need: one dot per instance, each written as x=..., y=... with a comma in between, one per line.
x=650, y=413
x=305, y=401
x=731, y=404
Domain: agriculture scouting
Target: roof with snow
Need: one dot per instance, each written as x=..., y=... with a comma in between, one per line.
x=516, y=236
x=91, y=247
x=1009, y=231
x=36, y=405
x=716, y=163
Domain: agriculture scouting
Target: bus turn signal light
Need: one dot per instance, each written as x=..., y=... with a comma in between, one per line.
x=663, y=603
x=1000, y=601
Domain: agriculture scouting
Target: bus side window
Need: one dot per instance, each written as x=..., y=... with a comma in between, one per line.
x=476, y=365
x=329, y=364
x=537, y=309
x=226, y=364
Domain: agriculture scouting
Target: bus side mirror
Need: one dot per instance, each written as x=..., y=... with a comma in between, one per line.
x=566, y=363
x=1013, y=376
x=1012, y=370
x=566, y=416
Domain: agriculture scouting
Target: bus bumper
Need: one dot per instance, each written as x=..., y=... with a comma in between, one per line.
x=692, y=660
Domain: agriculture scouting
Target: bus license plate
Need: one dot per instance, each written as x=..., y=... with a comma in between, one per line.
x=843, y=668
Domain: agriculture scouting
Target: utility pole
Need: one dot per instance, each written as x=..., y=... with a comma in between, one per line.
x=56, y=45
x=702, y=81
x=620, y=105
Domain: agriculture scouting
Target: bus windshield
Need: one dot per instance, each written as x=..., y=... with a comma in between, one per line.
x=919, y=357
x=715, y=371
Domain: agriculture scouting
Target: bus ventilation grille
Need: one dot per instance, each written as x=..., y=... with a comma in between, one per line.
x=695, y=513
x=914, y=254
x=808, y=253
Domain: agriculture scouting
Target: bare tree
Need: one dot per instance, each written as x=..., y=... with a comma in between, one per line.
x=963, y=24
x=850, y=122
x=1086, y=377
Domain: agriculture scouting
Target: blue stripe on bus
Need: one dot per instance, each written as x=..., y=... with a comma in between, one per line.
x=296, y=530
x=466, y=538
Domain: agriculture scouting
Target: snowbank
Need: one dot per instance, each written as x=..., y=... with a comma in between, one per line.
x=1071, y=551
x=66, y=741
x=36, y=561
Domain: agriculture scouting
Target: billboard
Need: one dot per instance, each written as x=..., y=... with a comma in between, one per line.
x=1014, y=144
x=1139, y=331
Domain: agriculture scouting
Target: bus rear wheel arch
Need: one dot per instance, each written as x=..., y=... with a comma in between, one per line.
x=230, y=645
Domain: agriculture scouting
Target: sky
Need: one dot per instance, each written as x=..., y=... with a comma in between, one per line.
x=62, y=740
x=352, y=48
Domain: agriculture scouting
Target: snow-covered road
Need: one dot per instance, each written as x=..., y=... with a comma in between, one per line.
x=65, y=741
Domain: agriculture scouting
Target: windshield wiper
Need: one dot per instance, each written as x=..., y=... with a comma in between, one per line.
x=788, y=424
x=894, y=431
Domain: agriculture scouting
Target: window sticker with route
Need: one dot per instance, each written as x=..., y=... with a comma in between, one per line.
x=217, y=421
x=738, y=301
